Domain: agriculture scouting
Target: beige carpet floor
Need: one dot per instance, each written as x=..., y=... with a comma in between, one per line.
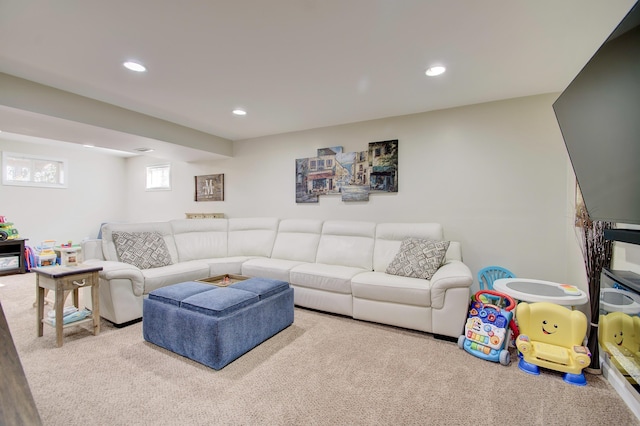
x=323, y=370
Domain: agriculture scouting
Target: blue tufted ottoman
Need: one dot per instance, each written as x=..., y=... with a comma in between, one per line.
x=215, y=325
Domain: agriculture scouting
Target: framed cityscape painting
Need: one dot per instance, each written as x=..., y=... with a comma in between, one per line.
x=352, y=175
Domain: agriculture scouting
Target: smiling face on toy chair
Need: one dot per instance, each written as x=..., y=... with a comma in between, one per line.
x=618, y=328
x=552, y=324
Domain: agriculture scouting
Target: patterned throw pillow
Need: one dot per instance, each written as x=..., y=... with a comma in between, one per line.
x=418, y=258
x=142, y=249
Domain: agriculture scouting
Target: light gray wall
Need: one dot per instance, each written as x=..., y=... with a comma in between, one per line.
x=496, y=176
x=95, y=194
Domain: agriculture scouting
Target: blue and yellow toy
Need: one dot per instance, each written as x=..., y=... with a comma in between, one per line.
x=45, y=255
x=552, y=336
x=486, y=333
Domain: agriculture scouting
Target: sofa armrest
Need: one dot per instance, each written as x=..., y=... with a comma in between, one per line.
x=453, y=274
x=119, y=270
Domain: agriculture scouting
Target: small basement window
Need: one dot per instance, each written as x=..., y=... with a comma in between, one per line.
x=159, y=177
x=32, y=170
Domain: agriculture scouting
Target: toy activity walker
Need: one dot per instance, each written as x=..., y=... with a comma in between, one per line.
x=487, y=328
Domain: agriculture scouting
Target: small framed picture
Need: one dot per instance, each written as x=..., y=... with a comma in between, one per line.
x=210, y=187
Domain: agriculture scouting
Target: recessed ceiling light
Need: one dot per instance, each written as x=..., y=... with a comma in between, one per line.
x=143, y=149
x=436, y=70
x=134, y=66
x=88, y=145
x=239, y=111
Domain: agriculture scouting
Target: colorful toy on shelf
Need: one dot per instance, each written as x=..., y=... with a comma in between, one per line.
x=68, y=254
x=487, y=332
x=619, y=337
x=45, y=254
x=7, y=230
x=552, y=337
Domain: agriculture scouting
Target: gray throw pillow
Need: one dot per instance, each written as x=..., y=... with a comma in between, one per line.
x=418, y=258
x=142, y=249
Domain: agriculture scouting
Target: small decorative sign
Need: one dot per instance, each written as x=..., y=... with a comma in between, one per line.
x=210, y=187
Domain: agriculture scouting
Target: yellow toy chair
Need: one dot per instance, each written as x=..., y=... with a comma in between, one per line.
x=551, y=336
x=619, y=337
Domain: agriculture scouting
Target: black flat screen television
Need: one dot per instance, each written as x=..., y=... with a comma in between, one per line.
x=599, y=116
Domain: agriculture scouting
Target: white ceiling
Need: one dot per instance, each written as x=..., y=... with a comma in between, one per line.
x=296, y=64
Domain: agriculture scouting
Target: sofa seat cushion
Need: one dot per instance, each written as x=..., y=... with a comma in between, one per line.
x=391, y=288
x=271, y=268
x=320, y=276
x=226, y=265
x=166, y=275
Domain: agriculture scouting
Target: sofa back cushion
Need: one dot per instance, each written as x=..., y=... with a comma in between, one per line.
x=389, y=237
x=252, y=236
x=454, y=252
x=163, y=228
x=347, y=243
x=297, y=239
x=200, y=238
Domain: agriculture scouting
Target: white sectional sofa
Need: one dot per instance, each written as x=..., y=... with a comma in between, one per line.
x=333, y=266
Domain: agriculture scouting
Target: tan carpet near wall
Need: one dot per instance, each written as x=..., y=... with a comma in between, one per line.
x=323, y=370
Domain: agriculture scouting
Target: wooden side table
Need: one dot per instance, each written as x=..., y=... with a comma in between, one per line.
x=62, y=279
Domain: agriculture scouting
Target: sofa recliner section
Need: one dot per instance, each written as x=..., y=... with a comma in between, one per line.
x=296, y=243
x=333, y=266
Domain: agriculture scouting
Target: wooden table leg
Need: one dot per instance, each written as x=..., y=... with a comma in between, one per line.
x=95, y=303
x=75, y=297
x=39, y=305
x=59, y=307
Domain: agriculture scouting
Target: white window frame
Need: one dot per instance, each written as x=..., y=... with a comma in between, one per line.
x=155, y=179
x=30, y=164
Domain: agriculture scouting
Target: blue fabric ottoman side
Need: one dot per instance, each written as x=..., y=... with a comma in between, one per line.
x=215, y=326
x=215, y=342
x=161, y=307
